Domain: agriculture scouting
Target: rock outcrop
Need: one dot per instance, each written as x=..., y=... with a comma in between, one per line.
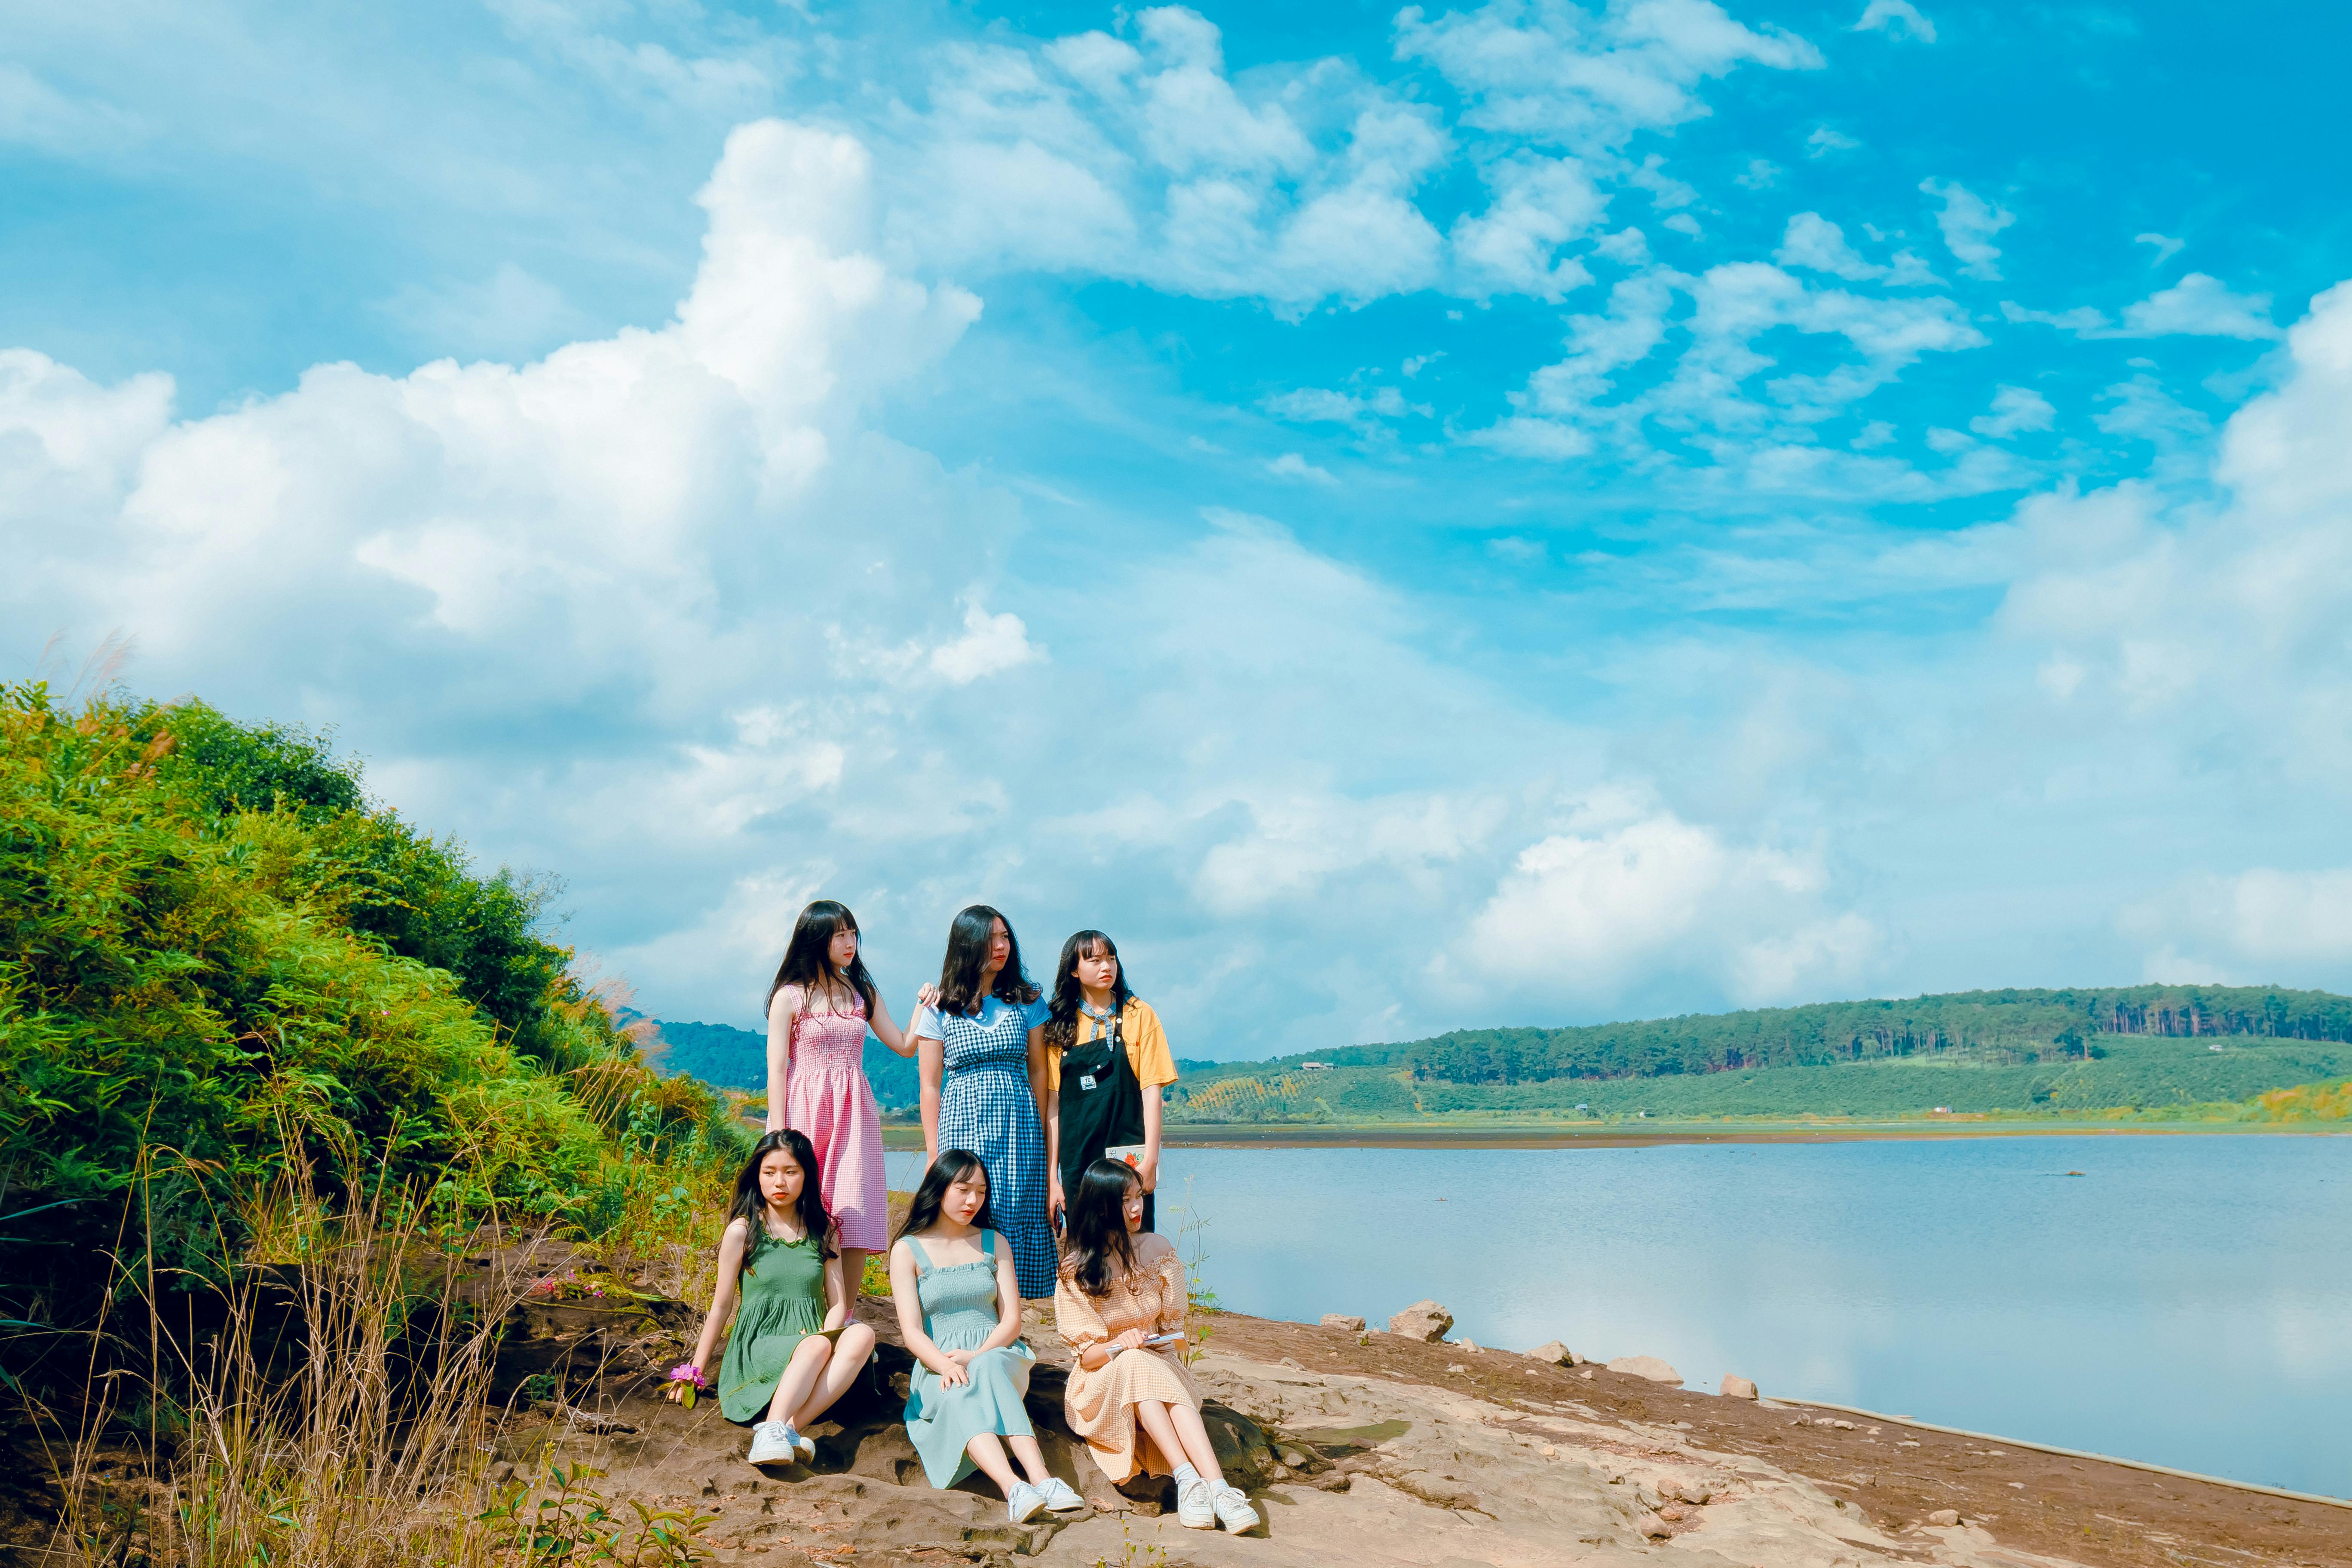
x=1342, y=1321
x=1424, y=1321
x=1647, y=1366
x=1554, y=1353
x=1737, y=1387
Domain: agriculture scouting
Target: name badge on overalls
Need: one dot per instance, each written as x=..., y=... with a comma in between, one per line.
x=1087, y=1080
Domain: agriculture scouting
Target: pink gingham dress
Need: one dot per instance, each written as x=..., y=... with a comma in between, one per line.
x=828, y=1097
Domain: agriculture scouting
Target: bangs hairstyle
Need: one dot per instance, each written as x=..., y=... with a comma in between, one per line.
x=750, y=1205
x=953, y=1166
x=1097, y=1249
x=1062, y=1025
x=808, y=957
x=968, y=952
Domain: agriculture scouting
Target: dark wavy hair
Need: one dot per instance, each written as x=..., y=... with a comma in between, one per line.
x=968, y=952
x=808, y=957
x=1062, y=1025
x=953, y=1166
x=751, y=1207
x=1097, y=1231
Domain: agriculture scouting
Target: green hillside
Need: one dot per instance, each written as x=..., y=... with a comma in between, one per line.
x=1999, y=1052
x=730, y=1057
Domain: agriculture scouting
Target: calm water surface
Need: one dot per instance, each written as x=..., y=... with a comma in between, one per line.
x=2186, y=1301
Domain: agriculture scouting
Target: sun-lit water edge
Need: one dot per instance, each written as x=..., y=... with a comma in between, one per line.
x=2181, y=1301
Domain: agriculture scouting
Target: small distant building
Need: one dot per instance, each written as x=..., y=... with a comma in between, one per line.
x=1943, y=1110
x=1313, y=1066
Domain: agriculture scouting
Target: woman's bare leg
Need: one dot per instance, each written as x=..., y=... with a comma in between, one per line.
x=988, y=1453
x=848, y=1362
x=852, y=1268
x=1163, y=1425
x=801, y=1375
x=1031, y=1457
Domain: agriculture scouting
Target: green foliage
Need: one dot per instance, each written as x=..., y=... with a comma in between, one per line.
x=564, y=1519
x=217, y=966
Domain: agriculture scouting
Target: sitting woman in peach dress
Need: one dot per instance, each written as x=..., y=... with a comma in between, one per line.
x=1119, y=1299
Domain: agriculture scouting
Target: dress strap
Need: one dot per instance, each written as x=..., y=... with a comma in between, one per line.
x=988, y=1242
x=923, y=1258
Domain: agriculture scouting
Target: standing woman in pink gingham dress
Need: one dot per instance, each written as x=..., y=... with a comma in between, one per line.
x=819, y=1009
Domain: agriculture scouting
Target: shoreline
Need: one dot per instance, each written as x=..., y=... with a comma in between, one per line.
x=902, y=1136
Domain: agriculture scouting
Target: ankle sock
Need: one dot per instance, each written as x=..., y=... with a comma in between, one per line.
x=1186, y=1475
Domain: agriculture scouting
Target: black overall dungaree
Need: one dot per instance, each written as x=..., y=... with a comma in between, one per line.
x=1102, y=1105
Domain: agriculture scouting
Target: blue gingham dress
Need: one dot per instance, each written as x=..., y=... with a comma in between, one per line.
x=986, y=1109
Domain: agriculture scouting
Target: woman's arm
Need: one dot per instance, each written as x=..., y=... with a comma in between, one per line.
x=837, y=1290
x=731, y=1242
x=1149, y=1169
x=1037, y=1077
x=885, y=1028
x=782, y=1008
x=1054, y=1195
x=1175, y=1292
x=930, y=1060
x=1008, y=1301
x=905, y=1294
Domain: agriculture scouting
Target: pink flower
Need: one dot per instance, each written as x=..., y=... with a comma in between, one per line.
x=687, y=1372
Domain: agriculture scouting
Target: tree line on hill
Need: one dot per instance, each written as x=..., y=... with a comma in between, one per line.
x=2006, y=1027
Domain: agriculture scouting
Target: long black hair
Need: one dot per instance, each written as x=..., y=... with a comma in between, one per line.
x=750, y=1205
x=1096, y=1229
x=953, y=1166
x=808, y=957
x=968, y=952
x=1062, y=1025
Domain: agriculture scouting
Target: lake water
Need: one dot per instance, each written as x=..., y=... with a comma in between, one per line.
x=2186, y=1300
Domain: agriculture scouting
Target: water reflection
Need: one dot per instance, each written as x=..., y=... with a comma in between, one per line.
x=2184, y=1301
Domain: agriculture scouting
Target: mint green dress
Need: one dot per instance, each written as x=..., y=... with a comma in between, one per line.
x=959, y=1304
x=779, y=1302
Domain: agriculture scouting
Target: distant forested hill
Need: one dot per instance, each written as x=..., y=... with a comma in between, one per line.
x=730, y=1057
x=2130, y=1046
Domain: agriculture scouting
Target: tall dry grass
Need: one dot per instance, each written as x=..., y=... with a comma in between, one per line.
x=329, y=1408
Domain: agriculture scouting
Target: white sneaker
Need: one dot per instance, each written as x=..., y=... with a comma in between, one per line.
x=1233, y=1511
x=1194, y=1508
x=1021, y=1503
x=1060, y=1498
x=806, y=1444
x=774, y=1443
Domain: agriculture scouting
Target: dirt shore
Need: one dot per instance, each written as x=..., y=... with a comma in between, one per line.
x=2108, y=1515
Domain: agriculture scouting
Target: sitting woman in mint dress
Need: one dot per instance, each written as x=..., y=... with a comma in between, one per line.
x=981, y=1047
x=960, y=1314
x=793, y=1350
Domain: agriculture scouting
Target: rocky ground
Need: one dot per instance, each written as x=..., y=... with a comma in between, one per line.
x=1377, y=1449
x=1358, y=1448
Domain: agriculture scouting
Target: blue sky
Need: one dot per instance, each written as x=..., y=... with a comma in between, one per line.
x=1407, y=517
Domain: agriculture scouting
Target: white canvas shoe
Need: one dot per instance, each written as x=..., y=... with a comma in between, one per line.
x=1059, y=1497
x=806, y=1445
x=1195, y=1509
x=1233, y=1511
x=775, y=1443
x=1021, y=1503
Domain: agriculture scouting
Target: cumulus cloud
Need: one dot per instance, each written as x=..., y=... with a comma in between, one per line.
x=1625, y=888
x=1294, y=466
x=1969, y=222
x=2250, y=928
x=1557, y=71
x=2167, y=247
x=2014, y=408
x=1896, y=19
x=2203, y=306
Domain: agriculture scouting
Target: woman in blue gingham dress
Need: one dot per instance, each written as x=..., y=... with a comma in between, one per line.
x=981, y=1048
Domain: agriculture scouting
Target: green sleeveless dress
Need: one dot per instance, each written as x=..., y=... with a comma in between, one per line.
x=779, y=1302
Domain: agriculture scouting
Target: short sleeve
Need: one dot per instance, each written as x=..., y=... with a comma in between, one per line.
x=926, y=1025
x=1037, y=1012
x=1075, y=1317
x=1148, y=1045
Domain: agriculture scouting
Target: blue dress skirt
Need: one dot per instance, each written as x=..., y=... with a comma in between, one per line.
x=959, y=1305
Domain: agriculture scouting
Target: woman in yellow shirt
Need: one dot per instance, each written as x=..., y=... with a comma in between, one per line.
x=1106, y=1060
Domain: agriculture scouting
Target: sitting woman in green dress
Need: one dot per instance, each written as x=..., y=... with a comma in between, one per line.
x=959, y=1304
x=793, y=1350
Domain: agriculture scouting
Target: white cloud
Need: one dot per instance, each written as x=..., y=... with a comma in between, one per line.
x=2014, y=408
x=34, y=114
x=1539, y=205
x=1624, y=887
x=2167, y=247
x=1823, y=141
x=1814, y=243
x=2264, y=925
x=991, y=644
x=1969, y=222
x=1896, y=19
x=1322, y=405
x=1761, y=174
x=2203, y=306
x=1555, y=71
x=1292, y=465
x=2083, y=320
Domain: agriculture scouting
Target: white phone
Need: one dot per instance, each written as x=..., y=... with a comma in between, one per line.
x=1163, y=1339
